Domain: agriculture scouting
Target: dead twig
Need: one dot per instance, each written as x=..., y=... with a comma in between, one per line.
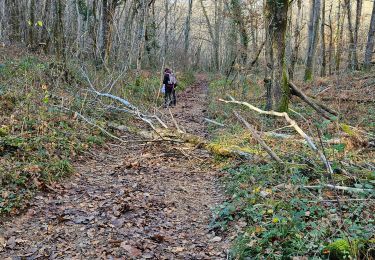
x=214, y=122
x=259, y=139
x=335, y=187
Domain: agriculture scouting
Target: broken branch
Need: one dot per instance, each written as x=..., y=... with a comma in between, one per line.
x=259, y=139
x=292, y=123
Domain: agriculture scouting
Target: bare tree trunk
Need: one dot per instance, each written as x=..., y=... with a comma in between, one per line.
x=104, y=53
x=353, y=59
x=141, y=33
x=45, y=36
x=13, y=20
x=79, y=30
x=213, y=36
x=187, y=30
x=166, y=38
x=297, y=33
x=313, y=38
x=357, y=26
x=276, y=81
x=31, y=40
x=370, y=40
x=323, y=41
x=151, y=38
x=59, y=38
x=339, y=33
x=218, y=19
x=244, y=37
x=331, y=50
x=2, y=19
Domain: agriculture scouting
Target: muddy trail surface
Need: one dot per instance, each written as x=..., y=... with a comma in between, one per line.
x=138, y=201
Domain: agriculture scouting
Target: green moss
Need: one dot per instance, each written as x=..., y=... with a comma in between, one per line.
x=346, y=128
x=284, y=103
x=339, y=249
x=308, y=75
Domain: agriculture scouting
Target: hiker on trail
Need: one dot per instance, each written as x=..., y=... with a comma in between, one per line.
x=169, y=84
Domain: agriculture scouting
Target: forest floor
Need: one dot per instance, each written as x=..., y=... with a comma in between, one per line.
x=138, y=200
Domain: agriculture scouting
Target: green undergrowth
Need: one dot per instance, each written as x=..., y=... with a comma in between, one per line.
x=38, y=141
x=279, y=221
x=40, y=134
x=270, y=209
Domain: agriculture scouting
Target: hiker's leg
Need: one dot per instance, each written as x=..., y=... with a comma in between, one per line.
x=174, y=100
x=167, y=99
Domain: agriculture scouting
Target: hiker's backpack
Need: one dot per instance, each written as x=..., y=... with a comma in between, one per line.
x=172, y=79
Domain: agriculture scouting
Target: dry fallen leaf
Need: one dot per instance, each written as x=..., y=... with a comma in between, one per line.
x=216, y=239
x=132, y=251
x=178, y=249
x=2, y=243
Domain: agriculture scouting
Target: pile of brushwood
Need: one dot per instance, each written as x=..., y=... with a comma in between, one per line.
x=307, y=189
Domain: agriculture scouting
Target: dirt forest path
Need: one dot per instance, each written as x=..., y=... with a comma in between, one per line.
x=138, y=201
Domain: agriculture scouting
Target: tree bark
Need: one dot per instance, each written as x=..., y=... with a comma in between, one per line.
x=297, y=33
x=31, y=40
x=313, y=38
x=370, y=40
x=323, y=41
x=213, y=37
x=59, y=38
x=166, y=37
x=276, y=80
x=331, y=50
x=339, y=34
x=187, y=29
x=353, y=59
x=141, y=32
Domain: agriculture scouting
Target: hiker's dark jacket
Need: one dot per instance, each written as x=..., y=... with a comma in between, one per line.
x=166, y=80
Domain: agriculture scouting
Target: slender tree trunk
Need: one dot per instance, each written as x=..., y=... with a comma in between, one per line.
x=215, y=43
x=31, y=40
x=2, y=18
x=45, y=35
x=59, y=37
x=297, y=33
x=276, y=80
x=166, y=36
x=357, y=25
x=353, y=59
x=79, y=30
x=370, y=40
x=151, y=38
x=104, y=53
x=313, y=38
x=339, y=34
x=331, y=50
x=141, y=33
x=218, y=19
x=323, y=41
x=187, y=30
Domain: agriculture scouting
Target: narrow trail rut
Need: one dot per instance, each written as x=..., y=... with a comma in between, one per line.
x=138, y=201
